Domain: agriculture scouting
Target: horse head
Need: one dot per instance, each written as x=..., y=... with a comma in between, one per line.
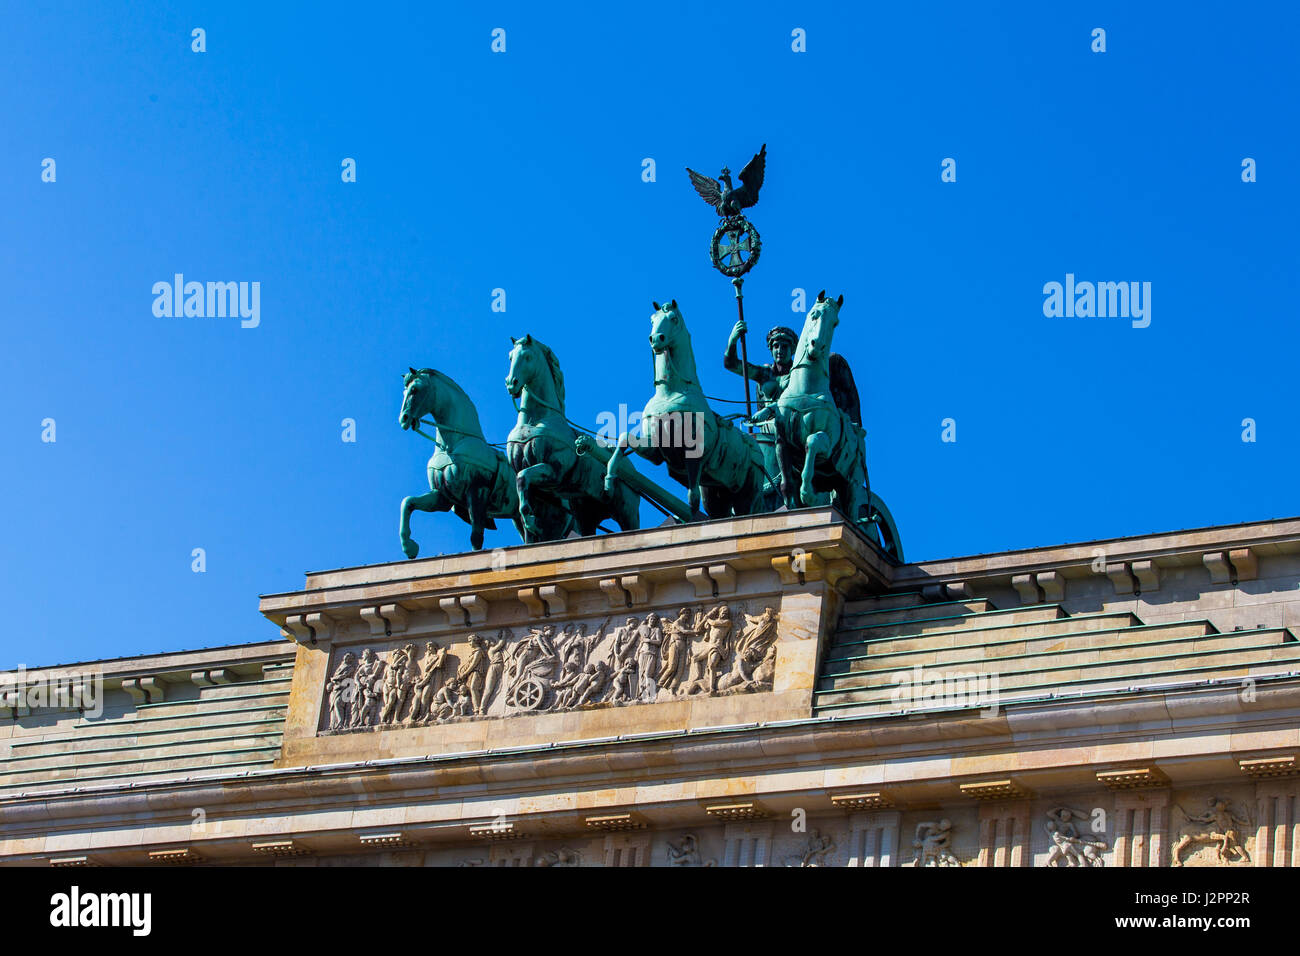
x=417, y=397
x=815, y=341
x=666, y=327
x=532, y=363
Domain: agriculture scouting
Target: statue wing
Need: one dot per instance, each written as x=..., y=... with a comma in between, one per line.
x=843, y=389
x=709, y=189
x=751, y=178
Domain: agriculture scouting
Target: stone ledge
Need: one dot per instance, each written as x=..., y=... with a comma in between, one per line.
x=1231, y=548
x=1263, y=768
x=872, y=800
x=1132, y=778
x=994, y=790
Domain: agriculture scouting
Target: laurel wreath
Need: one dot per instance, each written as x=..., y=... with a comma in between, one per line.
x=737, y=224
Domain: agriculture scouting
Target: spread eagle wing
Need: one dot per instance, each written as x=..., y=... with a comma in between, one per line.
x=843, y=389
x=709, y=189
x=751, y=178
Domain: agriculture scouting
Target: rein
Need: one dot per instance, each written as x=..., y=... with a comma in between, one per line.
x=559, y=411
x=668, y=360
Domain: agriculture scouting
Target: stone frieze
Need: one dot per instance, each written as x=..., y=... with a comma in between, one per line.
x=704, y=650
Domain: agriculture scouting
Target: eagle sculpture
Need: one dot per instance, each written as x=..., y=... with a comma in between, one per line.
x=719, y=193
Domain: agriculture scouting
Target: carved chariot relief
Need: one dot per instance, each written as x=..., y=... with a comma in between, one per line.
x=702, y=651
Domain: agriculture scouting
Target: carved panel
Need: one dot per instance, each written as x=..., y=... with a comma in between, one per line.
x=704, y=650
x=1216, y=831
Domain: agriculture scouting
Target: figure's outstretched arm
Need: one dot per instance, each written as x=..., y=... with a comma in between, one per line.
x=732, y=362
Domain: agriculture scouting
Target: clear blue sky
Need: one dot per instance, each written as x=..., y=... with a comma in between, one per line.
x=523, y=171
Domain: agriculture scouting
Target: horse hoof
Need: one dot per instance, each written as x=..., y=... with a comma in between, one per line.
x=410, y=548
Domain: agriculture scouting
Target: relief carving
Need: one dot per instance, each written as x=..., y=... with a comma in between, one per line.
x=706, y=661
x=561, y=857
x=755, y=659
x=650, y=638
x=342, y=688
x=1217, y=826
x=399, y=680
x=687, y=853
x=815, y=852
x=933, y=845
x=496, y=667
x=369, y=676
x=435, y=655
x=702, y=651
x=1069, y=848
x=472, y=673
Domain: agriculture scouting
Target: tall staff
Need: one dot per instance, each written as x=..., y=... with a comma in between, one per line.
x=736, y=244
x=744, y=350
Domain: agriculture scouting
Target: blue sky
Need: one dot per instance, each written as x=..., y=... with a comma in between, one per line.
x=522, y=171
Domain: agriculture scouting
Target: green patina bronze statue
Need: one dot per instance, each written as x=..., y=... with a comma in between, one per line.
x=736, y=245
x=466, y=474
x=720, y=465
x=771, y=380
x=559, y=489
x=553, y=482
x=821, y=444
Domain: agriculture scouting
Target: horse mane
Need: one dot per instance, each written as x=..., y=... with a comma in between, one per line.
x=688, y=356
x=445, y=379
x=473, y=425
x=557, y=376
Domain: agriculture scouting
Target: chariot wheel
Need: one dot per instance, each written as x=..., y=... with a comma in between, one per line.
x=530, y=694
x=735, y=247
x=878, y=524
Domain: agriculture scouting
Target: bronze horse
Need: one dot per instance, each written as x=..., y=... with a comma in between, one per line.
x=558, y=488
x=466, y=474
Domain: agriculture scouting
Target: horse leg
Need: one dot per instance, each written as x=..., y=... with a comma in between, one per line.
x=533, y=476
x=712, y=501
x=750, y=500
x=693, y=468
x=430, y=501
x=586, y=514
x=512, y=515
x=787, y=472
x=478, y=512
x=817, y=446
x=859, y=495
x=628, y=509
x=611, y=467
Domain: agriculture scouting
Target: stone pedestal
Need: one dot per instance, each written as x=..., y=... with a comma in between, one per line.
x=530, y=638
